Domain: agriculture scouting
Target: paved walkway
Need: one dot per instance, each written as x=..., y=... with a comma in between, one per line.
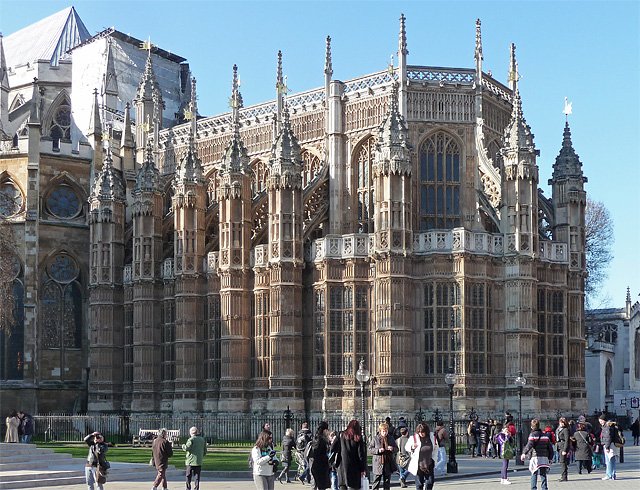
x=472, y=475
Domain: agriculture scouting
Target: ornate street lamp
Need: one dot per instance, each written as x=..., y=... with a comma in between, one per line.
x=520, y=382
x=452, y=464
x=363, y=376
x=419, y=416
x=287, y=417
x=437, y=416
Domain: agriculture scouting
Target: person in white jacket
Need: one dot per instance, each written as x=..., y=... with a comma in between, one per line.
x=264, y=462
x=423, y=447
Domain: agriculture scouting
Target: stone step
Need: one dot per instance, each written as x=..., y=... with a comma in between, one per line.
x=50, y=482
x=24, y=458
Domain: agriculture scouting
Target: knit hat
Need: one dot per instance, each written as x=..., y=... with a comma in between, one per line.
x=603, y=417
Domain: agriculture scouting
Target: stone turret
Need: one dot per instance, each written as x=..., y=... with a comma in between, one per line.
x=106, y=328
x=149, y=106
x=234, y=204
x=127, y=145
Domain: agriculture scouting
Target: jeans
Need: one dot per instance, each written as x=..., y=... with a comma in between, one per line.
x=90, y=475
x=441, y=465
x=161, y=478
x=505, y=469
x=193, y=472
x=26, y=438
x=383, y=479
x=403, y=473
x=285, y=471
x=334, y=480
x=424, y=479
x=264, y=482
x=611, y=464
x=543, y=479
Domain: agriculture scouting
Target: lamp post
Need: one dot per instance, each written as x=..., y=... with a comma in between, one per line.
x=452, y=464
x=520, y=382
x=419, y=416
x=363, y=375
x=287, y=417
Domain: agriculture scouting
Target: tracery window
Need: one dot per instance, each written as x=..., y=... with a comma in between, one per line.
x=477, y=325
x=365, y=189
x=213, y=341
x=551, y=333
x=60, y=128
x=61, y=304
x=442, y=343
x=259, y=176
x=319, y=332
x=12, y=346
x=311, y=166
x=63, y=202
x=439, y=189
x=11, y=199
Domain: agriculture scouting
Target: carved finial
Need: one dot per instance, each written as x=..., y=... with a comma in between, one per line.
x=628, y=295
x=127, y=136
x=236, y=100
x=394, y=96
x=194, y=108
x=34, y=114
x=514, y=76
x=478, y=54
x=279, y=82
x=328, y=65
x=95, y=126
x=402, y=38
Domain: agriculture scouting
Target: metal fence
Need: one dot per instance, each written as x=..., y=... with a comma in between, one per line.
x=222, y=430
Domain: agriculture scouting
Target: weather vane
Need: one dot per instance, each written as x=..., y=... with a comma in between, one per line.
x=567, y=108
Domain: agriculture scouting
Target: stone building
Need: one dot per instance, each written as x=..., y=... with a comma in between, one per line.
x=248, y=261
x=394, y=218
x=50, y=122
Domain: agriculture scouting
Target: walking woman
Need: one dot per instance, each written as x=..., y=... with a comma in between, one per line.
x=423, y=447
x=539, y=448
x=353, y=457
x=383, y=448
x=12, y=422
x=288, y=444
x=505, y=444
x=584, y=448
x=264, y=460
x=564, y=446
x=319, y=458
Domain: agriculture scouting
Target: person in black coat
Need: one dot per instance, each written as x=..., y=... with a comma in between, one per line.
x=319, y=458
x=564, y=446
x=383, y=448
x=483, y=436
x=288, y=444
x=353, y=457
x=584, y=442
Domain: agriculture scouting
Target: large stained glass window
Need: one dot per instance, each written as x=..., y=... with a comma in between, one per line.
x=12, y=342
x=61, y=304
x=11, y=200
x=442, y=343
x=440, y=170
x=364, y=179
x=63, y=202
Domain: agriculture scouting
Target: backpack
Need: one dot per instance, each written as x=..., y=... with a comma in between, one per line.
x=302, y=440
x=308, y=450
x=618, y=439
x=507, y=450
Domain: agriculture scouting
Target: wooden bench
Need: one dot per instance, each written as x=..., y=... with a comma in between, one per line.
x=148, y=435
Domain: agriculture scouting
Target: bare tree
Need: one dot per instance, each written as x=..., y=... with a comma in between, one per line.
x=7, y=265
x=599, y=239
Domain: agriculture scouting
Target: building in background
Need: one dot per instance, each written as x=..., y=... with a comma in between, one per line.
x=613, y=359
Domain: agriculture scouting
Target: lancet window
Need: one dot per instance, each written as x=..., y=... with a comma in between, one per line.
x=552, y=331
x=61, y=304
x=365, y=189
x=12, y=341
x=213, y=341
x=440, y=172
x=60, y=125
x=311, y=166
x=442, y=343
x=478, y=340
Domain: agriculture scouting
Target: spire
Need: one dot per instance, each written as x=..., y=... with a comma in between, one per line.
x=108, y=185
x=328, y=65
x=127, y=136
x=478, y=53
x=148, y=83
x=95, y=125
x=280, y=92
x=402, y=38
x=392, y=147
x=110, y=83
x=628, y=295
x=517, y=134
x=285, y=155
x=279, y=79
x=567, y=162
x=514, y=76
x=193, y=108
x=34, y=114
x=235, y=101
x=148, y=177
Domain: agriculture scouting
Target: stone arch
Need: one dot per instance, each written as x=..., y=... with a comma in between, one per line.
x=12, y=195
x=260, y=171
x=66, y=183
x=56, y=125
x=312, y=164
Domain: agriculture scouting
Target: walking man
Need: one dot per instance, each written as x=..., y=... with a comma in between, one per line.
x=27, y=426
x=195, y=449
x=162, y=450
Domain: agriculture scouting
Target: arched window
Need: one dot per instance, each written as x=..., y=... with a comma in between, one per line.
x=61, y=304
x=260, y=176
x=439, y=183
x=11, y=199
x=608, y=379
x=12, y=344
x=364, y=180
x=636, y=350
x=63, y=202
x=60, y=126
x=311, y=166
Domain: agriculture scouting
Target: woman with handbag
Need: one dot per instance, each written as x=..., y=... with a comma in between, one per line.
x=353, y=457
x=383, y=448
x=423, y=447
x=404, y=457
x=319, y=458
x=583, y=441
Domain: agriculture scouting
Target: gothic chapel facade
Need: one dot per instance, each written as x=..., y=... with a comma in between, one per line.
x=248, y=261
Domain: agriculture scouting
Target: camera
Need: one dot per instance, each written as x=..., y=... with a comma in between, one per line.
x=272, y=453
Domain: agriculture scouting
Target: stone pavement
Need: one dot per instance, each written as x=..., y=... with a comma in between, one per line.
x=472, y=476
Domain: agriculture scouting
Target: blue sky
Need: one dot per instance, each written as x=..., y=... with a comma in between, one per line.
x=588, y=51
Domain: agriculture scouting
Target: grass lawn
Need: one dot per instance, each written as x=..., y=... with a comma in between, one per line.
x=216, y=459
